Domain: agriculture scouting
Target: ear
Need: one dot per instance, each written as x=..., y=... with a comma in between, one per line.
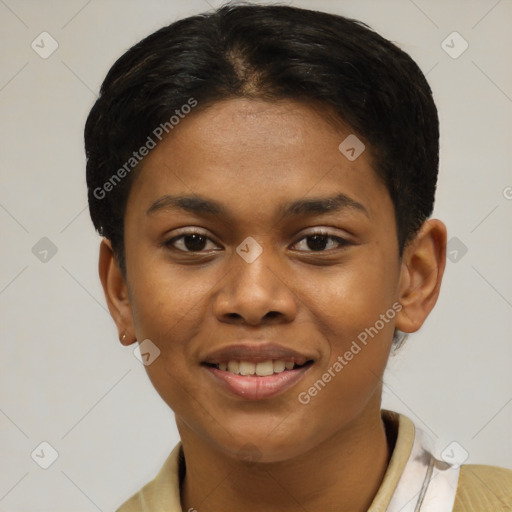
x=422, y=268
x=116, y=293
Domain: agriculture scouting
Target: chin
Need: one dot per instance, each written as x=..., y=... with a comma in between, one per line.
x=263, y=446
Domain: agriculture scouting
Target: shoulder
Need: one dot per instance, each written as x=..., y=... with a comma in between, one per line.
x=131, y=505
x=146, y=500
x=483, y=488
x=161, y=493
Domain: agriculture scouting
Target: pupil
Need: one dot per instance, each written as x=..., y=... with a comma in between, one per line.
x=194, y=242
x=317, y=242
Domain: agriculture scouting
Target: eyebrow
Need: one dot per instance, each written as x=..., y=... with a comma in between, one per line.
x=312, y=206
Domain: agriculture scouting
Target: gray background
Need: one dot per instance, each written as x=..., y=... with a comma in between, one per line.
x=65, y=378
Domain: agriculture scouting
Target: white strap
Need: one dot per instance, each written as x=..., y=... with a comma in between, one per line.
x=427, y=484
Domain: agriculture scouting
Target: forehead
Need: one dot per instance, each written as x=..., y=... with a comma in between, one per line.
x=254, y=126
x=254, y=152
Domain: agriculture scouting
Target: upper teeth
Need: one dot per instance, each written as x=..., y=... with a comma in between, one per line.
x=261, y=369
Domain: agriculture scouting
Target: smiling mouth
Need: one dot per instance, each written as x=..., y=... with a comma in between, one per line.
x=258, y=369
x=260, y=380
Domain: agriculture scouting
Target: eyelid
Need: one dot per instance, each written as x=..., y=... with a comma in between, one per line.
x=192, y=230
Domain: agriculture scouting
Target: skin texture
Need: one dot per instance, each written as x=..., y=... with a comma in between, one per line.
x=251, y=156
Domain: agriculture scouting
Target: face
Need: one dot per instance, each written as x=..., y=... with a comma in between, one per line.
x=279, y=262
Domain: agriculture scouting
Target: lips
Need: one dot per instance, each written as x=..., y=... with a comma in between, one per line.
x=256, y=372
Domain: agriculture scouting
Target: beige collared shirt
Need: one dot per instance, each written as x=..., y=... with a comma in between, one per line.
x=479, y=488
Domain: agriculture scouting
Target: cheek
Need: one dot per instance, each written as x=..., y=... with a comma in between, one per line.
x=170, y=306
x=166, y=298
x=349, y=298
x=168, y=309
x=354, y=313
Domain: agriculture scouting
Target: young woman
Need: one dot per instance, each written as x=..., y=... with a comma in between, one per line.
x=263, y=178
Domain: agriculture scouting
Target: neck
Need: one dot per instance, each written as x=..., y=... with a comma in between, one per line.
x=343, y=473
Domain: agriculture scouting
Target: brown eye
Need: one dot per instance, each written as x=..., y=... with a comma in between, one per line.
x=190, y=242
x=321, y=242
x=194, y=242
x=317, y=242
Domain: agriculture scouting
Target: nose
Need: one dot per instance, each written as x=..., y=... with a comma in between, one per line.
x=255, y=293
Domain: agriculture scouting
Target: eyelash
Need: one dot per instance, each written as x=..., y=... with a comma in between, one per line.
x=341, y=241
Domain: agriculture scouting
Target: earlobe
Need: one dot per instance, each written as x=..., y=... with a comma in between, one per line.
x=116, y=292
x=423, y=265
